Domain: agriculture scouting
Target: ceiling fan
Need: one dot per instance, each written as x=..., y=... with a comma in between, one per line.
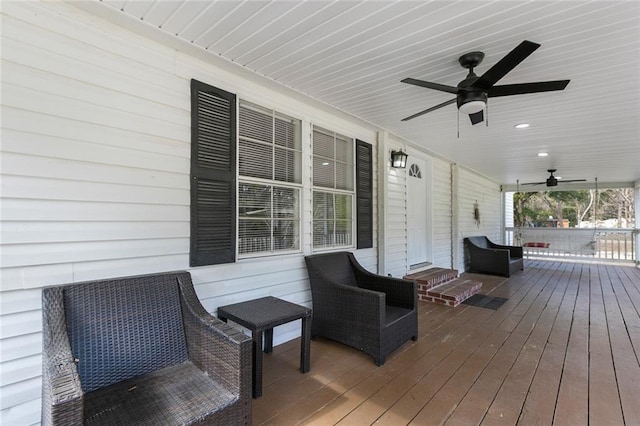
x=552, y=180
x=472, y=92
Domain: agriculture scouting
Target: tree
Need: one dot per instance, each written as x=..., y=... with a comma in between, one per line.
x=618, y=204
x=568, y=204
x=533, y=208
x=522, y=212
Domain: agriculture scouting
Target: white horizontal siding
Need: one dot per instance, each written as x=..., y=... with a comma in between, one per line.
x=21, y=413
x=24, y=345
x=95, y=175
x=473, y=188
x=95, y=178
x=442, y=213
x=396, y=261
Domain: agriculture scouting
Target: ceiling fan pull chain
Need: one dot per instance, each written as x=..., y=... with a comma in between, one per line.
x=486, y=122
x=458, y=124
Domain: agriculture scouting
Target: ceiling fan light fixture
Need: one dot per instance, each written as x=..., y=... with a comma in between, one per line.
x=472, y=107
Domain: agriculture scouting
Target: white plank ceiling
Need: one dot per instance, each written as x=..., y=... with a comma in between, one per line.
x=353, y=54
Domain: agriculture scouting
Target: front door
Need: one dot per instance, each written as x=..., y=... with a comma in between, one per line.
x=418, y=212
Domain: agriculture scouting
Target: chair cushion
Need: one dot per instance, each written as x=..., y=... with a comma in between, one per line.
x=536, y=244
x=179, y=394
x=394, y=313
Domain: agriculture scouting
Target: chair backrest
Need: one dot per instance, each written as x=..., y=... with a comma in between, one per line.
x=480, y=241
x=122, y=328
x=334, y=266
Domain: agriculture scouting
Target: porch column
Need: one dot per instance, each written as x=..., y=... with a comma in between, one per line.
x=382, y=198
x=636, y=202
x=455, y=214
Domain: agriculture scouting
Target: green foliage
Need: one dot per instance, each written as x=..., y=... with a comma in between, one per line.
x=535, y=208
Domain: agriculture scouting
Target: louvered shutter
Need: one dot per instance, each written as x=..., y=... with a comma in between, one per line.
x=213, y=174
x=364, y=194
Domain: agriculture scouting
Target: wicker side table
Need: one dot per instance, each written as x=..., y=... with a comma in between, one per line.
x=260, y=316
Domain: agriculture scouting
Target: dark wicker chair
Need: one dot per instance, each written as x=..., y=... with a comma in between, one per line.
x=484, y=256
x=141, y=351
x=373, y=313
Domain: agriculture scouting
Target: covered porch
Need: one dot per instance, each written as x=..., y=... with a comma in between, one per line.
x=98, y=177
x=562, y=350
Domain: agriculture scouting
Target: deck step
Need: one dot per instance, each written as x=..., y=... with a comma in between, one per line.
x=441, y=285
x=431, y=277
x=453, y=293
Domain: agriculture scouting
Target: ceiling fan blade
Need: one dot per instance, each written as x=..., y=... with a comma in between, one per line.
x=523, y=88
x=476, y=117
x=430, y=85
x=534, y=183
x=506, y=64
x=433, y=108
x=571, y=180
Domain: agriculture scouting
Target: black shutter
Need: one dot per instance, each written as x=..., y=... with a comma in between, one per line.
x=364, y=194
x=213, y=175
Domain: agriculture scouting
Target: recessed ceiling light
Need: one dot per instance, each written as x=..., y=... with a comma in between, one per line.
x=325, y=164
x=543, y=154
x=522, y=125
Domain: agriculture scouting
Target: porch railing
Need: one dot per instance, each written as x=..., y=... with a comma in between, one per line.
x=604, y=244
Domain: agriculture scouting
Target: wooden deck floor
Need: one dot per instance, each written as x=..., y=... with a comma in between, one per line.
x=564, y=349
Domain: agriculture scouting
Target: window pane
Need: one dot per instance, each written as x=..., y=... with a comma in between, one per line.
x=254, y=124
x=323, y=172
x=254, y=236
x=285, y=235
x=254, y=201
x=323, y=233
x=344, y=149
x=255, y=159
x=344, y=176
x=332, y=224
x=343, y=207
x=322, y=205
x=285, y=202
x=288, y=165
x=287, y=132
x=323, y=144
x=343, y=233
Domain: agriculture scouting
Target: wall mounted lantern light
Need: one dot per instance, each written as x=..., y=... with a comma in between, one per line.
x=398, y=159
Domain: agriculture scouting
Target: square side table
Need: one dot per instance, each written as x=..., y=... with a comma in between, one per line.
x=260, y=316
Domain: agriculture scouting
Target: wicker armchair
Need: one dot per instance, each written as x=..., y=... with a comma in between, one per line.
x=484, y=256
x=370, y=312
x=141, y=350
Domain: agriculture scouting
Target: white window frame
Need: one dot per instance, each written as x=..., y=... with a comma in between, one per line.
x=334, y=191
x=273, y=183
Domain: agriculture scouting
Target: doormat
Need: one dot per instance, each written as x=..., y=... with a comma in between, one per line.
x=484, y=301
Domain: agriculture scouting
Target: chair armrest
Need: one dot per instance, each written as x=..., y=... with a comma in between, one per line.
x=62, y=396
x=215, y=347
x=399, y=292
x=514, y=251
x=490, y=256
